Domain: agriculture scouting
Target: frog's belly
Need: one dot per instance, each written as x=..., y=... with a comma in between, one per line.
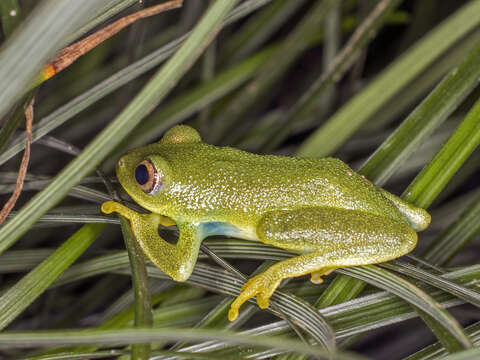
x=227, y=229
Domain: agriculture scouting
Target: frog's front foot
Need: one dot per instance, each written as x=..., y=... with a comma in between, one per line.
x=109, y=207
x=262, y=285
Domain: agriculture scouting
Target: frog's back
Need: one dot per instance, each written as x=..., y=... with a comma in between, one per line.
x=245, y=185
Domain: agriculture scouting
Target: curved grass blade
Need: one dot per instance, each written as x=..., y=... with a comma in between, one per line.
x=143, y=299
x=457, y=290
x=53, y=220
x=412, y=294
x=305, y=315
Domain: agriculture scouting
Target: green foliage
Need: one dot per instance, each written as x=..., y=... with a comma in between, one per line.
x=266, y=83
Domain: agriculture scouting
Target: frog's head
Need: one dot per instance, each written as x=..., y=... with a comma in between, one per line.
x=145, y=174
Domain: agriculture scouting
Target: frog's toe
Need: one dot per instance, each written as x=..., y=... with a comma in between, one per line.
x=316, y=277
x=264, y=295
x=233, y=312
x=262, y=286
x=109, y=207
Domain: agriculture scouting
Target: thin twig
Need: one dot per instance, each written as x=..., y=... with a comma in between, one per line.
x=71, y=53
x=23, y=166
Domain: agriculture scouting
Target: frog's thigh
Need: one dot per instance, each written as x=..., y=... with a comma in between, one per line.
x=328, y=238
x=340, y=237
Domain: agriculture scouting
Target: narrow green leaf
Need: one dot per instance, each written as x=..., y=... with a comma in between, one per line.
x=464, y=355
x=32, y=285
x=422, y=191
x=143, y=300
x=10, y=340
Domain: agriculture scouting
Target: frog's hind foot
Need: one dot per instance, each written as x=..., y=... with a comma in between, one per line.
x=262, y=286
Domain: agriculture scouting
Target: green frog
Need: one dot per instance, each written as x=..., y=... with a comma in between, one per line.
x=319, y=209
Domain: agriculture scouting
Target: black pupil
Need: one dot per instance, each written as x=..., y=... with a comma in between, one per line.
x=141, y=174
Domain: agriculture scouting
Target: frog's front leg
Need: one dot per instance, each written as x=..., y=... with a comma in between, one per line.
x=178, y=260
x=329, y=238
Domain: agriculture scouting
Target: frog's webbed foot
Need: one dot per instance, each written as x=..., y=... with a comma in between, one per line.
x=262, y=285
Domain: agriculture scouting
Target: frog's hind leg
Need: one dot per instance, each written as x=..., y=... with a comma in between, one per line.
x=329, y=238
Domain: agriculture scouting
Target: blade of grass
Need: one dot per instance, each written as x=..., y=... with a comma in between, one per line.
x=156, y=89
x=32, y=285
x=451, y=156
x=363, y=106
x=143, y=300
x=138, y=336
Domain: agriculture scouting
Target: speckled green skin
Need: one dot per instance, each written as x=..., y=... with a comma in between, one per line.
x=319, y=208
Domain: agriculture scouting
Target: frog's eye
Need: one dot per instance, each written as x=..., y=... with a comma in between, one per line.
x=147, y=177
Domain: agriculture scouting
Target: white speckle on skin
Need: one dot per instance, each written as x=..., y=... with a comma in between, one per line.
x=349, y=173
x=13, y=12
